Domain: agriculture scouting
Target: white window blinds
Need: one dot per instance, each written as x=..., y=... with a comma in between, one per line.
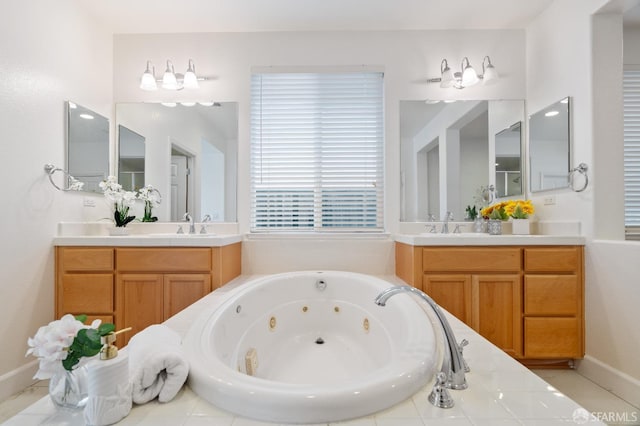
x=317, y=152
x=632, y=153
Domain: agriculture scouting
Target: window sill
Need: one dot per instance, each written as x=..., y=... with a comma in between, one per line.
x=382, y=236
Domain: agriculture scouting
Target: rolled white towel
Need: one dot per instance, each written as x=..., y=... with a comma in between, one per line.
x=158, y=366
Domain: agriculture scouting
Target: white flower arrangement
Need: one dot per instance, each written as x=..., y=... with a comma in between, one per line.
x=122, y=200
x=63, y=343
x=151, y=197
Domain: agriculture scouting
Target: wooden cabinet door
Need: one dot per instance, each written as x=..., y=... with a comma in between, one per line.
x=496, y=304
x=181, y=290
x=451, y=292
x=143, y=296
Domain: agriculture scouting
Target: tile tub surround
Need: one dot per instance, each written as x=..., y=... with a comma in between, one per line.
x=501, y=391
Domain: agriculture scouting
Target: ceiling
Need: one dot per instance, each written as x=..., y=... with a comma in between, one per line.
x=171, y=16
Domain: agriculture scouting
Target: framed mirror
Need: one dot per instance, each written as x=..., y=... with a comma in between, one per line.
x=550, y=146
x=87, y=146
x=189, y=154
x=448, y=152
x=508, y=155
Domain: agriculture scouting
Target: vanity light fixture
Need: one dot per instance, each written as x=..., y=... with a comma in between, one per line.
x=467, y=76
x=170, y=79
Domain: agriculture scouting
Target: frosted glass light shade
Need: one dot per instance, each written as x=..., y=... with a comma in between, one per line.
x=469, y=75
x=190, y=79
x=148, y=79
x=169, y=80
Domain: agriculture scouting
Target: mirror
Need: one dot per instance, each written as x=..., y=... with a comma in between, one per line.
x=187, y=151
x=549, y=147
x=87, y=146
x=130, y=159
x=508, y=161
x=449, y=151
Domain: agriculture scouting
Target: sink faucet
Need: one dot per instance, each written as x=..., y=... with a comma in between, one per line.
x=453, y=364
x=203, y=227
x=192, y=227
x=445, y=226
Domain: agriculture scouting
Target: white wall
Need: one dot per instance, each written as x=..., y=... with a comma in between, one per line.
x=584, y=61
x=50, y=53
x=408, y=58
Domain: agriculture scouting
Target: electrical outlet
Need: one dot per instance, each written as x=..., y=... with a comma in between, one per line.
x=549, y=201
x=89, y=202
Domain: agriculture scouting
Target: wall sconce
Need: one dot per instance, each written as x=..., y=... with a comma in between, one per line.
x=170, y=79
x=467, y=76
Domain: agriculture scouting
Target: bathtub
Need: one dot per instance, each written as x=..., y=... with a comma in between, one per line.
x=310, y=347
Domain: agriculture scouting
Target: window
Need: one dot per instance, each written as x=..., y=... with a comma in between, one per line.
x=317, y=152
x=631, y=86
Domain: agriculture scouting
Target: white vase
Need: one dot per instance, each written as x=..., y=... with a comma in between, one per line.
x=520, y=227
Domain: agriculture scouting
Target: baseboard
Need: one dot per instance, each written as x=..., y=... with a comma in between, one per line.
x=615, y=381
x=17, y=380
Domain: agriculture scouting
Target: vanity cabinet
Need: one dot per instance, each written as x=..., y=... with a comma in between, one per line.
x=139, y=286
x=553, y=308
x=85, y=282
x=483, y=290
x=526, y=300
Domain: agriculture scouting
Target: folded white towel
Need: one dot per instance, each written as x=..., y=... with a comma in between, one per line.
x=158, y=366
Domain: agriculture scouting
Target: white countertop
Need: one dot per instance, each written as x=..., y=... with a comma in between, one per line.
x=501, y=391
x=471, y=239
x=149, y=240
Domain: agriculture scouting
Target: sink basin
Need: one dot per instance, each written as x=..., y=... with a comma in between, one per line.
x=452, y=235
x=174, y=235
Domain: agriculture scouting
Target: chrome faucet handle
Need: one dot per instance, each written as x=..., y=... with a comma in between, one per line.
x=456, y=230
x=431, y=229
x=203, y=227
x=179, y=231
x=461, y=345
x=440, y=396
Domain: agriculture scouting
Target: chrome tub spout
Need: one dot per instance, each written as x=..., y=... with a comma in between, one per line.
x=453, y=365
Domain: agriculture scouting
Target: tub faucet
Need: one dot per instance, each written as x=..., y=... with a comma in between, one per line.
x=192, y=227
x=453, y=365
x=445, y=225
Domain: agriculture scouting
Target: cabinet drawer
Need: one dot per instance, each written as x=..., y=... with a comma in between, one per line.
x=85, y=259
x=87, y=293
x=551, y=295
x=163, y=259
x=552, y=338
x=552, y=259
x=491, y=259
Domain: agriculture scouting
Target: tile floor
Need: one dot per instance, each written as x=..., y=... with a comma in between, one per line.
x=586, y=393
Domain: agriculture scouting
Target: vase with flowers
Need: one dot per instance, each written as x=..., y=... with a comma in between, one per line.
x=63, y=347
x=121, y=201
x=151, y=197
x=519, y=212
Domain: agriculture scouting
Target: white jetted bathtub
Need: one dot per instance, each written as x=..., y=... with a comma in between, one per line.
x=310, y=347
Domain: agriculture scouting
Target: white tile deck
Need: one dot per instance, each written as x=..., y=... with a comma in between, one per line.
x=501, y=392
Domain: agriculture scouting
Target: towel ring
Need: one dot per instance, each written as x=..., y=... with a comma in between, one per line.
x=74, y=184
x=582, y=169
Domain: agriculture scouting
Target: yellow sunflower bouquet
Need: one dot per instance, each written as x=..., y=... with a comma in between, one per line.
x=517, y=209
